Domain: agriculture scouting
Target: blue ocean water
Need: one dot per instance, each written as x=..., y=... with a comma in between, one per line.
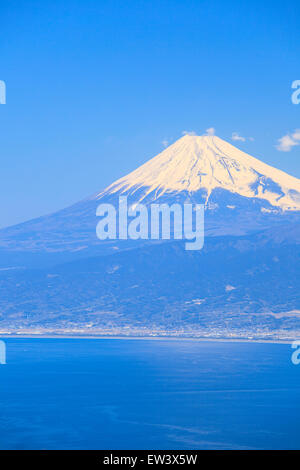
x=148, y=394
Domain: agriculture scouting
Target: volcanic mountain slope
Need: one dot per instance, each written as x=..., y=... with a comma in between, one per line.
x=241, y=195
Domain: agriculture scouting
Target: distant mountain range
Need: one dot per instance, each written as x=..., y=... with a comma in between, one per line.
x=55, y=275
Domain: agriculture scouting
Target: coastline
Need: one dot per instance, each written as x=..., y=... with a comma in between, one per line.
x=151, y=338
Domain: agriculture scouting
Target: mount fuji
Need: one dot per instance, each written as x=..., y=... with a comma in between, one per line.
x=241, y=195
x=198, y=167
x=56, y=277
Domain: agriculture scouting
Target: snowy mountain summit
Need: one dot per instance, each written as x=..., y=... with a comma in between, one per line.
x=205, y=164
x=241, y=195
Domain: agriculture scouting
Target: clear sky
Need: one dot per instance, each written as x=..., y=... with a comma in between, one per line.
x=95, y=88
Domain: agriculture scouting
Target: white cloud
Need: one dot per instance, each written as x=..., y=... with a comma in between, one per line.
x=210, y=131
x=189, y=133
x=165, y=143
x=288, y=141
x=236, y=136
x=229, y=288
x=296, y=134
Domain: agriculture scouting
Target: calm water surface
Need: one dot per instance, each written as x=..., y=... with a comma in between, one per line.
x=129, y=394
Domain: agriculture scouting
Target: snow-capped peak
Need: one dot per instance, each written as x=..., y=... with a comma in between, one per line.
x=195, y=163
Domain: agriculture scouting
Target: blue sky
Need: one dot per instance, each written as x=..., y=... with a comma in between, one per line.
x=94, y=88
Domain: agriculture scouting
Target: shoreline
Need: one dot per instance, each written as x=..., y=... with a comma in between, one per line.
x=151, y=338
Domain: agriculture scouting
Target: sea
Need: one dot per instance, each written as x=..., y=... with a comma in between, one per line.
x=148, y=394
